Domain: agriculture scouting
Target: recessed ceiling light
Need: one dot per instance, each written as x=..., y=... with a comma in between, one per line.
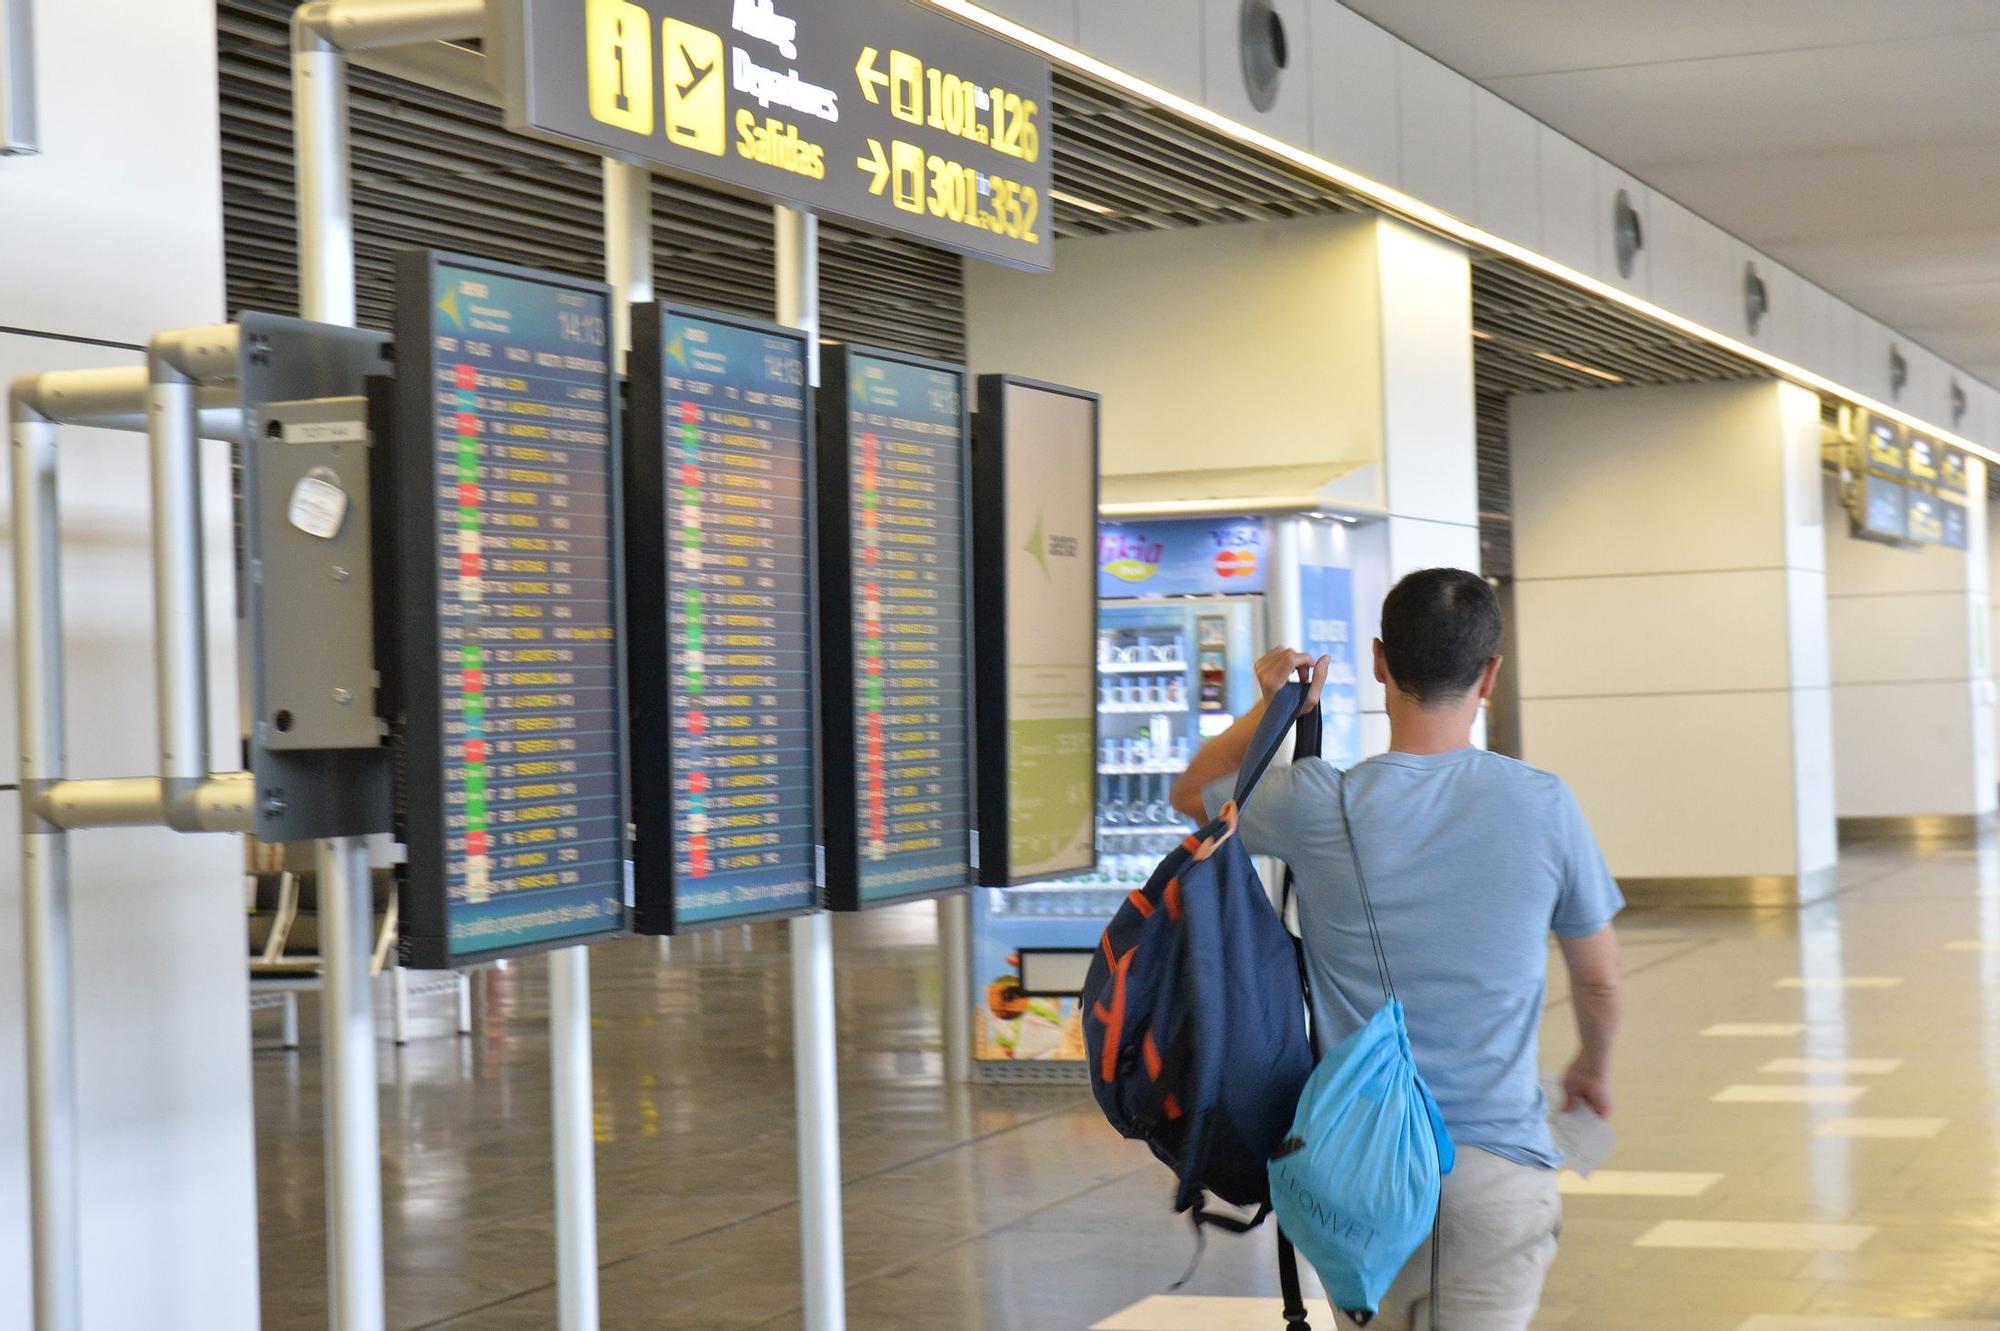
x=1591, y=370
x=1064, y=196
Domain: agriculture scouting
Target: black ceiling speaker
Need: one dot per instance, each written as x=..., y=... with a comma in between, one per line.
x=1899, y=370
x=1756, y=297
x=1627, y=233
x=1266, y=52
x=1958, y=404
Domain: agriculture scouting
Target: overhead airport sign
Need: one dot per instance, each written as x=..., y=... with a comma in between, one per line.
x=883, y=111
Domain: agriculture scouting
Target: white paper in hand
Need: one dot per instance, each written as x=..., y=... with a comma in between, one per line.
x=1583, y=1138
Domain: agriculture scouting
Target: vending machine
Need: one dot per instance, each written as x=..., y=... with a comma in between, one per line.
x=1181, y=622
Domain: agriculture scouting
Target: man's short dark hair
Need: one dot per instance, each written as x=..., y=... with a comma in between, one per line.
x=1440, y=626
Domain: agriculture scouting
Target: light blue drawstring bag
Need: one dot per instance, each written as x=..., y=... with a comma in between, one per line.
x=1355, y=1184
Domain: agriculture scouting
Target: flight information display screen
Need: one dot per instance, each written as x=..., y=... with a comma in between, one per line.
x=509, y=673
x=722, y=660
x=895, y=467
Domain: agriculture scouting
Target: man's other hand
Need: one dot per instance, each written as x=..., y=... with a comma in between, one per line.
x=1584, y=1084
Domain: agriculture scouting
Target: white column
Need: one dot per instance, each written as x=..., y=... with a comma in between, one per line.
x=1991, y=663
x=1912, y=679
x=1670, y=592
x=1429, y=442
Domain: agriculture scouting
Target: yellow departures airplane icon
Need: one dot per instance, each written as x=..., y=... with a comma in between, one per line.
x=696, y=108
x=618, y=43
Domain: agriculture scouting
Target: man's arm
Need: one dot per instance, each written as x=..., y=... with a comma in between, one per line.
x=1597, y=990
x=1225, y=753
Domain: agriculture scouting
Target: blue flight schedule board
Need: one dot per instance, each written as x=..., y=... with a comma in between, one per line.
x=721, y=654
x=895, y=561
x=505, y=674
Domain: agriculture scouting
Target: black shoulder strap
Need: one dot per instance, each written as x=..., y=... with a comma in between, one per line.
x=1288, y=1285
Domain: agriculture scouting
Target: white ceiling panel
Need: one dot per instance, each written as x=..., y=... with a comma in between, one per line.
x=1502, y=37
x=1855, y=141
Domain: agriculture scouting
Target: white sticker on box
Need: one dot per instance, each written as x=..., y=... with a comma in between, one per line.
x=318, y=507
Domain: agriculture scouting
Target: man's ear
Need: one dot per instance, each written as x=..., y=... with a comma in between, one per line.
x=1381, y=664
x=1489, y=678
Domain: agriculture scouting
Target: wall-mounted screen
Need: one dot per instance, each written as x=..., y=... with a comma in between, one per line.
x=720, y=576
x=894, y=488
x=1035, y=501
x=1951, y=470
x=1921, y=458
x=1885, y=448
x=1951, y=521
x=506, y=675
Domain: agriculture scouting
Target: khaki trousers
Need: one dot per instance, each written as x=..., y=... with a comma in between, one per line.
x=1500, y=1225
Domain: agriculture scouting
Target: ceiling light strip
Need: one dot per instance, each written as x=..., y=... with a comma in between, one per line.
x=1392, y=200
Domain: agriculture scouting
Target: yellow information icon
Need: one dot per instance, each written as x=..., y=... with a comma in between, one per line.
x=696, y=111
x=618, y=42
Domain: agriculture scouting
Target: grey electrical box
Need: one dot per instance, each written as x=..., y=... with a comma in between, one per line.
x=312, y=567
x=312, y=738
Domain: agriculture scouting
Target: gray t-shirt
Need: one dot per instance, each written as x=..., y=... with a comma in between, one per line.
x=1471, y=859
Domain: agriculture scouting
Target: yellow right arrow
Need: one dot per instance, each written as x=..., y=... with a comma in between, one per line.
x=871, y=78
x=875, y=163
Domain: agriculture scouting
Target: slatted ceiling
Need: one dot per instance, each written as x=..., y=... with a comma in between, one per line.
x=432, y=169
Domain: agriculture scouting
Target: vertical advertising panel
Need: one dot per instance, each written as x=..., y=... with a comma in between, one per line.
x=1326, y=603
x=1035, y=501
x=505, y=673
x=719, y=529
x=895, y=601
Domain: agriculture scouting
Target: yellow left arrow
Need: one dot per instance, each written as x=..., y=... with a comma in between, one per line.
x=876, y=163
x=870, y=77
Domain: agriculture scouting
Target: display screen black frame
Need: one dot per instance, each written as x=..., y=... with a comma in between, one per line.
x=408, y=585
x=840, y=789
x=989, y=581
x=649, y=590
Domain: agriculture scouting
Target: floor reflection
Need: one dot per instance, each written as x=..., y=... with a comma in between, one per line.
x=1017, y=1209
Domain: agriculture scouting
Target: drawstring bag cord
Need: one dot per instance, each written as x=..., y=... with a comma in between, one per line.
x=1389, y=993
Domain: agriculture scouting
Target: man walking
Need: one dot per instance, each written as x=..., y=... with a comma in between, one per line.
x=1472, y=860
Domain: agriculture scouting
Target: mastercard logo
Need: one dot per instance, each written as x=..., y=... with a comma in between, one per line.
x=1236, y=563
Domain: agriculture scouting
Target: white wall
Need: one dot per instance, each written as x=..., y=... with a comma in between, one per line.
x=113, y=232
x=1670, y=597
x=1215, y=347
x=1912, y=672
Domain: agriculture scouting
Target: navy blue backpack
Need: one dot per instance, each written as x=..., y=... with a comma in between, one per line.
x=1194, y=1015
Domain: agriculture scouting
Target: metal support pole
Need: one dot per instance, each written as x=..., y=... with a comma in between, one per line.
x=320, y=163
x=288, y=1022
x=52, y=1166
x=353, y=1136
x=179, y=618
x=816, y=1091
x=814, y=1051
x=399, y=1009
x=628, y=243
x=955, y=985
x=463, y=991
x=575, y=1149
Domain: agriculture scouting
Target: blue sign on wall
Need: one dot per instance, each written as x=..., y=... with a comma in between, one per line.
x=1326, y=604
x=1184, y=557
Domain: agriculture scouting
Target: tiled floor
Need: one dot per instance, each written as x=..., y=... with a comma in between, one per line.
x=1017, y=1210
